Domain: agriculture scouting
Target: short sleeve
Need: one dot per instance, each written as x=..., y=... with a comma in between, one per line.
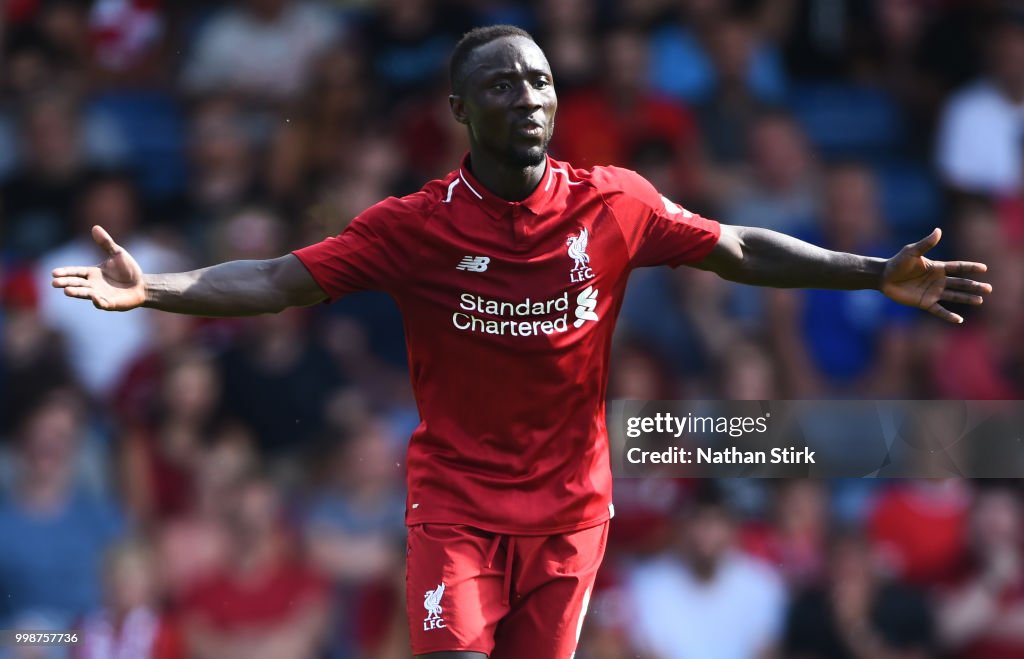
x=370, y=254
x=658, y=231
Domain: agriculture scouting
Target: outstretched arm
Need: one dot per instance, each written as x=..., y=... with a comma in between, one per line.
x=767, y=258
x=235, y=288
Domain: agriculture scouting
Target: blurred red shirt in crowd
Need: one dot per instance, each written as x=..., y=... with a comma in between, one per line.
x=919, y=528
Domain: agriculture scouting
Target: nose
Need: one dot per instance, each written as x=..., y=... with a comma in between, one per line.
x=528, y=97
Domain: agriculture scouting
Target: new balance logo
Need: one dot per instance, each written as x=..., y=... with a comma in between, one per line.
x=432, y=603
x=473, y=263
x=586, y=303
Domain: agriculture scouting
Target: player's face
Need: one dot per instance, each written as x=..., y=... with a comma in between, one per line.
x=509, y=101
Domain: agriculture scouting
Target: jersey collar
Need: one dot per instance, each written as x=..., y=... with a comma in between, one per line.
x=534, y=203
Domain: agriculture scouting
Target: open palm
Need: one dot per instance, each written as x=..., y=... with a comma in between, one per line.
x=911, y=279
x=113, y=285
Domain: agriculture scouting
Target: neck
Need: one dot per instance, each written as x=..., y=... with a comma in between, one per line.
x=508, y=182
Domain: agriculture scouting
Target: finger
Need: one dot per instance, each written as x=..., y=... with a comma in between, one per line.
x=939, y=311
x=73, y=271
x=968, y=285
x=964, y=267
x=64, y=282
x=960, y=298
x=105, y=242
x=926, y=243
x=81, y=292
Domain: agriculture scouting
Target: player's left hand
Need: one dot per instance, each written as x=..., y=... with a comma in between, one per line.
x=911, y=279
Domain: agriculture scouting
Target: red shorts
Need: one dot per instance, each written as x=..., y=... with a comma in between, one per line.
x=506, y=596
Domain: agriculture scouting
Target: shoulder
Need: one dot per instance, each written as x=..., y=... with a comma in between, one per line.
x=608, y=178
x=615, y=183
x=408, y=211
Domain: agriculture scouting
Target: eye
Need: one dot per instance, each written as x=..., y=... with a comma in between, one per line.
x=542, y=83
x=501, y=86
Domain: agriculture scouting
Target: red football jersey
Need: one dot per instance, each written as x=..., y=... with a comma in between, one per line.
x=509, y=309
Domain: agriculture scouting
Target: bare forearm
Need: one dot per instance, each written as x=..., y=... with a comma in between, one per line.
x=235, y=288
x=769, y=258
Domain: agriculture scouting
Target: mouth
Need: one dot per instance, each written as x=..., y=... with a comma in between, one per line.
x=530, y=129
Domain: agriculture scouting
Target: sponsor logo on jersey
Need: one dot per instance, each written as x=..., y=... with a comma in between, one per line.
x=527, y=317
x=586, y=302
x=577, y=245
x=473, y=263
x=432, y=603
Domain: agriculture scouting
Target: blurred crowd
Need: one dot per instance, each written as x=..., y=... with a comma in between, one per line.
x=177, y=487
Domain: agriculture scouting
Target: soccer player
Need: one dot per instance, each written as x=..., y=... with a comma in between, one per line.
x=509, y=273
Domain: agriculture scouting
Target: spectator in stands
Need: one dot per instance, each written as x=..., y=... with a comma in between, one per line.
x=608, y=123
x=821, y=38
x=843, y=342
x=980, y=614
x=640, y=372
x=409, y=42
x=337, y=109
x=795, y=538
x=58, y=144
x=748, y=372
x=138, y=392
x=918, y=529
x=262, y=50
x=128, y=39
x=221, y=146
x=979, y=142
x=109, y=199
x=54, y=532
x=33, y=358
x=566, y=30
x=276, y=379
x=778, y=187
x=986, y=361
x=131, y=623
x=33, y=64
x=683, y=55
x=266, y=602
x=893, y=53
x=652, y=291
x=728, y=111
x=856, y=614
x=355, y=531
x=687, y=604
x=29, y=65
x=193, y=545
x=160, y=456
x=428, y=138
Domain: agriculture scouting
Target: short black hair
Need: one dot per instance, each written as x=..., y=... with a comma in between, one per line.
x=470, y=41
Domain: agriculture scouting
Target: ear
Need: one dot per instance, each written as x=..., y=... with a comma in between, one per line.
x=458, y=107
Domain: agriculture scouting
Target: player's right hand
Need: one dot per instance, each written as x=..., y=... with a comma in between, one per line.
x=116, y=284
